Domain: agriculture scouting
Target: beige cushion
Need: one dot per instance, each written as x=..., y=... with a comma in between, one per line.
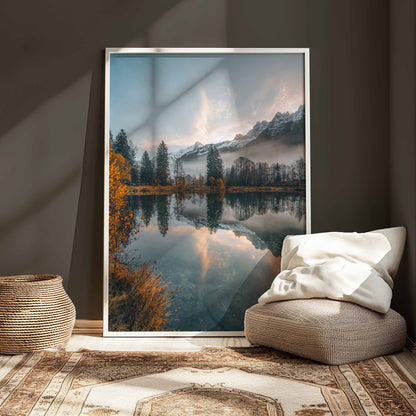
x=329, y=331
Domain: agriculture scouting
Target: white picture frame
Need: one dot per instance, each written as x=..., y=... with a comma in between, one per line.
x=190, y=51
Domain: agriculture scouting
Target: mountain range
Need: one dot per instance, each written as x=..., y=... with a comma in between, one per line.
x=285, y=128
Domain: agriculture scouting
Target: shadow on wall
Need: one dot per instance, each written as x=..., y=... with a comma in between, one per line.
x=51, y=135
x=40, y=162
x=52, y=46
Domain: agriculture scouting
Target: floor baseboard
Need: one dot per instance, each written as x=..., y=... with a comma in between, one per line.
x=95, y=327
x=411, y=345
x=88, y=326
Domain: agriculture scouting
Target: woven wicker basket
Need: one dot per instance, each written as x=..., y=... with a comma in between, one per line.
x=35, y=313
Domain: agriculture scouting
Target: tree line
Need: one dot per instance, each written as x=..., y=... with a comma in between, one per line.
x=245, y=172
x=155, y=171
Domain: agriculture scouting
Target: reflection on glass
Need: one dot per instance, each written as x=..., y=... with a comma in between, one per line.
x=217, y=250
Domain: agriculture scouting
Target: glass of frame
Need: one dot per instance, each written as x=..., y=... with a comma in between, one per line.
x=206, y=171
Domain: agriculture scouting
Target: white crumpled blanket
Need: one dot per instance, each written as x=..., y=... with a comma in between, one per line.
x=353, y=267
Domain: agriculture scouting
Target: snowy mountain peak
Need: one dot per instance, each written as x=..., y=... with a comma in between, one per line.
x=257, y=128
x=281, y=124
x=254, y=132
x=285, y=117
x=286, y=123
x=188, y=150
x=299, y=114
x=260, y=125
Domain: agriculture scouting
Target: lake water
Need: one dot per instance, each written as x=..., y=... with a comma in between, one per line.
x=219, y=251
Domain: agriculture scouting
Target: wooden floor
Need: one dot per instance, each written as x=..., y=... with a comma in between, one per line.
x=407, y=361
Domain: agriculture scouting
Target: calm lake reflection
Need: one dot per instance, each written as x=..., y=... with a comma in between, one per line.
x=218, y=250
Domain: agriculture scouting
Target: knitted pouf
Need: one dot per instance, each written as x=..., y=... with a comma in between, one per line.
x=325, y=330
x=35, y=313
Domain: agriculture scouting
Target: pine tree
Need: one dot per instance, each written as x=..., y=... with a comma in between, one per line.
x=210, y=165
x=135, y=177
x=219, y=165
x=123, y=147
x=215, y=166
x=146, y=169
x=162, y=164
x=154, y=177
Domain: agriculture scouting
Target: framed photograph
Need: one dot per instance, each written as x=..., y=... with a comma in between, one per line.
x=207, y=169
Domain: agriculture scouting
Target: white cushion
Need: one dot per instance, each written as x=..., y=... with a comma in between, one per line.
x=397, y=239
x=354, y=267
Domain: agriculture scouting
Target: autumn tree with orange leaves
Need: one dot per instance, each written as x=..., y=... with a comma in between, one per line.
x=139, y=300
x=121, y=218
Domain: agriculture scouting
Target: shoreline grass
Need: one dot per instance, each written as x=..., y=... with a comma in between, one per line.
x=172, y=189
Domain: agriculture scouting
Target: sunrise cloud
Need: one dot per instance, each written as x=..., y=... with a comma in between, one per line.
x=201, y=120
x=227, y=102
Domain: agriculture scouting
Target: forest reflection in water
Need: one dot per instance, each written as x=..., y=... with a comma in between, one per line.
x=210, y=210
x=212, y=249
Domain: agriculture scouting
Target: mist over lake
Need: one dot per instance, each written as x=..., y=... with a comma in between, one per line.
x=267, y=153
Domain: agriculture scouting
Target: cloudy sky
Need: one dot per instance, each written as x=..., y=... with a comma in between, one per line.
x=207, y=98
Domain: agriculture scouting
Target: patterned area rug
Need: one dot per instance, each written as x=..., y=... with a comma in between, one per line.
x=215, y=381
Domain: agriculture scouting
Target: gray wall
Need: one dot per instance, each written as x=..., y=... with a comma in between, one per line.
x=51, y=130
x=403, y=149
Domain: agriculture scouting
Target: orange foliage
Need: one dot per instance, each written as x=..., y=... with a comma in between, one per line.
x=121, y=222
x=139, y=300
x=181, y=185
x=219, y=184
